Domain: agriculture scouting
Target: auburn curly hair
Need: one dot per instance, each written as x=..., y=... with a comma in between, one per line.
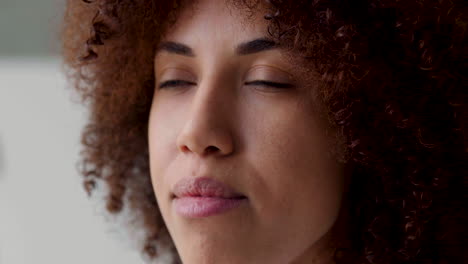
x=394, y=78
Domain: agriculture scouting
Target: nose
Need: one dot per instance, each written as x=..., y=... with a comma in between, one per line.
x=207, y=130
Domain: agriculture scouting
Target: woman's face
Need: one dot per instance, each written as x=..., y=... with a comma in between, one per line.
x=224, y=121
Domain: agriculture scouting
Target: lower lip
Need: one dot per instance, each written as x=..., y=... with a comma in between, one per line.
x=197, y=207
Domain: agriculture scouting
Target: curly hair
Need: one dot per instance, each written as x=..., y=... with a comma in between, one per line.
x=393, y=81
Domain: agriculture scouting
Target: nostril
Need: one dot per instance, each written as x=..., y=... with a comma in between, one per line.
x=211, y=149
x=185, y=149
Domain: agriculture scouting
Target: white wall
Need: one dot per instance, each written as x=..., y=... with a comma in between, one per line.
x=45, y=216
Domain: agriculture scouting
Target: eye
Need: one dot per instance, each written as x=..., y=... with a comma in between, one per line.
x=175, y=83
x=270, y=84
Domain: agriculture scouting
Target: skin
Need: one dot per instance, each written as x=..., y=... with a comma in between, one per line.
x=265, y=142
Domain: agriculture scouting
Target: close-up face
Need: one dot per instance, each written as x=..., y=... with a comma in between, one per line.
x=229, y=106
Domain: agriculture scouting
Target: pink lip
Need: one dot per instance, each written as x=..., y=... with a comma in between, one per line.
x=204, y=186
x=197, y=207
x=204, y=196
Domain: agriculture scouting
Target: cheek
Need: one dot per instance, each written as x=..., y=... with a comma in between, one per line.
x=296, y=181
x=161, y=139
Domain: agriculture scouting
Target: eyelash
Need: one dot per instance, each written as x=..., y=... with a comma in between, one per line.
x=174, y=83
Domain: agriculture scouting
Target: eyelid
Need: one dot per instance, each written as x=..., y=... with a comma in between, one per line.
x=270, y=73
x=171, y=73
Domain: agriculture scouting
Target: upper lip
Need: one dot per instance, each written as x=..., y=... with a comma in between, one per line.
x=204, y=186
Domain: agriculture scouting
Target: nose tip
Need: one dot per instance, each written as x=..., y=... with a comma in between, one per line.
x=203, y=140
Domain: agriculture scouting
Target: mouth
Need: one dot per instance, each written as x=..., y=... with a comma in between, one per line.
x=204, y=196
x=205, y=187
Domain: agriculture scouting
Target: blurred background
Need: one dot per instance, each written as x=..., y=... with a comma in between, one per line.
x=45, y=215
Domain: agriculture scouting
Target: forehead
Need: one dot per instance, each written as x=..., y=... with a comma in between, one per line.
x=217, y=21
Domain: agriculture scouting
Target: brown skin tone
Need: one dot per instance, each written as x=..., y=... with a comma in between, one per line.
x=392, y=75
x=267, y=142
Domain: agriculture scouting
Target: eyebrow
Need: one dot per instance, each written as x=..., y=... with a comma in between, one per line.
x=246, y=48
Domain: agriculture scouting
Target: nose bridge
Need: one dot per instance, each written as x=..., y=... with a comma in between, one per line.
x=207, y=128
